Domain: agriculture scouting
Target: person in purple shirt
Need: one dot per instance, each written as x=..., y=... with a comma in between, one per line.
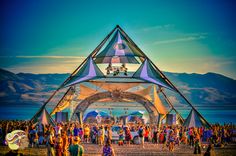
x=209, y=134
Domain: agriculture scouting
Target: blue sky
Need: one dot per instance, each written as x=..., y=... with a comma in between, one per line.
x=179, y=36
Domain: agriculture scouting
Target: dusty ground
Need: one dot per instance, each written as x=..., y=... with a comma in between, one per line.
x=136, y=150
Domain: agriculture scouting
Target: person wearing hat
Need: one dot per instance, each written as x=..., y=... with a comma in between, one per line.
x=75, y=149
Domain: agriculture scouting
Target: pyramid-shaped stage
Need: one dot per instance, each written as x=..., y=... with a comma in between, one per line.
x=116, y=48
x=194, y=120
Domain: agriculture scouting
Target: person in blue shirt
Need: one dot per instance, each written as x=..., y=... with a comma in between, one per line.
x=76, y=130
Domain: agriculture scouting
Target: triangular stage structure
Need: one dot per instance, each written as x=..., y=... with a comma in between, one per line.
x=88, y=71
x=179, y=118
x=43, y=117
x=116, y=48
x=194, y=120
x=147, y=72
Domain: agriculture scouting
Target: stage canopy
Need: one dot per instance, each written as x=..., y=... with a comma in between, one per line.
x=119, y=50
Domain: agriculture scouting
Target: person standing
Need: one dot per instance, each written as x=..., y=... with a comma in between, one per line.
x=59, y=146
x=121, y=136
x=127, y=135
x=146, y=134
x=140, y=133
x=94, y=135
x=109, y=134
x=40, y=133
x=155, y=135
x=107, y=149
x=191, y=141
x=75, y=149
x=58, y=129
x=184, y=137
x=81, y=133
x=76, y=130
x=50, y=144
x=163, y=137
x=86, y=133
x=210, y=150
x=171, y=141
x=32, y=135
x=197, y=148
x=101, y=136
x=65, y=143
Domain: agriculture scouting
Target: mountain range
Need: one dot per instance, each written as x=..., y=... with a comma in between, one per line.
x=25, y=89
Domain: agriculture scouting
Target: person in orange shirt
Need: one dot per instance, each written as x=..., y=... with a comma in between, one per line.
x=59, y=145
x=146, y=134
x=65, y=143
x=184, y=137
x=86, y=133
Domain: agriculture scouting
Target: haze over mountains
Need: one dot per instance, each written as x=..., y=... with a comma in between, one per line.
x=24, y=89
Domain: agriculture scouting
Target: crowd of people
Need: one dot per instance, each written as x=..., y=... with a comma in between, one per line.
x=66, y=138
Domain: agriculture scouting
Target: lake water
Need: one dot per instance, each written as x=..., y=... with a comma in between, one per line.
x=211, y=115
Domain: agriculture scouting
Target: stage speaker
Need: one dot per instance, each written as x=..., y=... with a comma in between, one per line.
x=80, y=117
x=171, y=119
x=125, y=120
x=158, y=120
x=61, y=116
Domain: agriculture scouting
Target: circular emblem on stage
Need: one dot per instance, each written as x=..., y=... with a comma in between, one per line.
x=119, y=46
x=116, y=94
x=17, y=139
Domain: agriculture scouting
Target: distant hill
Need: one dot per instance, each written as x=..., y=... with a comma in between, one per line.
x=26, y=89
x=209, y=88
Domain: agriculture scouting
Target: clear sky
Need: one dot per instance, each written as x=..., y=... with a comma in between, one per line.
x=178, y=35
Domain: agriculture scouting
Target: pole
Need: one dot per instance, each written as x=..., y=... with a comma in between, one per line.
x=70, y=89
x=172, y=106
